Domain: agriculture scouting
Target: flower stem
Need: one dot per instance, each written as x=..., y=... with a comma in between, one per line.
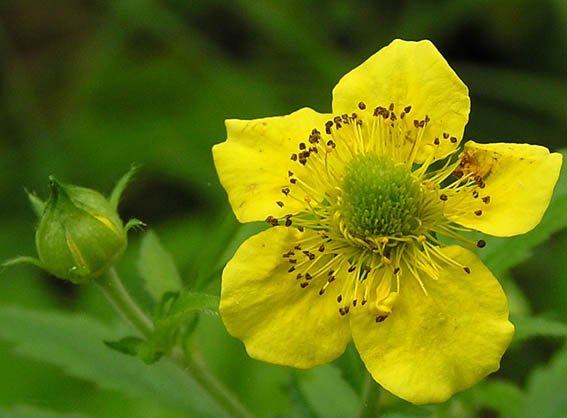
x=370, y=398
x=112, y=287
x=117, y=294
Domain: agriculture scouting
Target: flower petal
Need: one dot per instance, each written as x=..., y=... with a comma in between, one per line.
x=520, y=182
x=253, y=162
x=410, y=74
x=264, y=306
x=433, y=346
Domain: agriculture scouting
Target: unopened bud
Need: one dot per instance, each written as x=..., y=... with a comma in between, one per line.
x=80, y=235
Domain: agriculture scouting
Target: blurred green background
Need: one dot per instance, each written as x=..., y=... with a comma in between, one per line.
x=88, y=87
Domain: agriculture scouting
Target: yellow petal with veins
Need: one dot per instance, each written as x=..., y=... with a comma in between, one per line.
x=254, y=161
x=432, y=346
x=279, y=321
x=519, y=179
x=410, y=74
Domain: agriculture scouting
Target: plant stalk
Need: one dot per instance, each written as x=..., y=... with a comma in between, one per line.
x=114, y=290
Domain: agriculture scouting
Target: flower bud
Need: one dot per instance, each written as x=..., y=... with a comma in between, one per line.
x=80, y=235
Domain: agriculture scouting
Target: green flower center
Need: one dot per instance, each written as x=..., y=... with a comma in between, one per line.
x=379, y=197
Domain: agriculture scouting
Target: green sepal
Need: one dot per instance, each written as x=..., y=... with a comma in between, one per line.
x=37, y=204
x=22, y=259
x=133, y=223
x=120, y=186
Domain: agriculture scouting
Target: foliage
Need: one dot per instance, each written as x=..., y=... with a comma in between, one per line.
x=90, y=87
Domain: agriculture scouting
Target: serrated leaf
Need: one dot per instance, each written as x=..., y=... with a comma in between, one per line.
x=175, y=313
x=126, y=345
x=28, y=411
x=185, y=306
x=529, y=327
x=329, y=395
x=501, y=254
x=546, y=389
x=74, y=343
x=157, y=267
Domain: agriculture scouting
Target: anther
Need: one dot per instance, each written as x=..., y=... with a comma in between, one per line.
x=293, y=181
x=279, y=203
x=285, y=190
x=269, y=219
x=396, y=270
x=322, y=248
x=436, y=141
x=478, y=212
x=274, y=222
x=467, y=270
x=299, y=276
x=416, y=123
x=427, y=119
x=486, y=199
x=321, y=292
x=481, y=243
x=308, y=276
x=331, y=272
x=453, y=140
x=289, y=173
x=304, y=285
x=386, y=260
x=292, y=261
x=361, y=106
x=445, y=135
x=354, y=302
x=367, y=269
x=328, y=126
x=421, y=238
x=351, y=269
x=302, y=145
x=293, y=157
x=300, y=228
x=443, y=197
x=339, y=298
x=381, y=318
x=331, y=279
x=288, y=222
x=292, y=268
x=475, y=194
x=407, y=109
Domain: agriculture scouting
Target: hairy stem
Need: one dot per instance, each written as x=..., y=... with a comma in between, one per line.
x=112, y=287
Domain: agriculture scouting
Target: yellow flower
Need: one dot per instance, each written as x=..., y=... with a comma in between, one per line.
x=359, y=201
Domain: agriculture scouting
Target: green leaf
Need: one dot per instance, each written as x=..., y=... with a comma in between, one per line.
x=501, y=254
x=175, y=312
x=27, y=411
x=546, y=389
x=351, y=367
x=126, y=345
x=157, y=268
x=530, y=327
x=502, y=396
x=329, y=395
x=299, y=405
x=74, y=343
